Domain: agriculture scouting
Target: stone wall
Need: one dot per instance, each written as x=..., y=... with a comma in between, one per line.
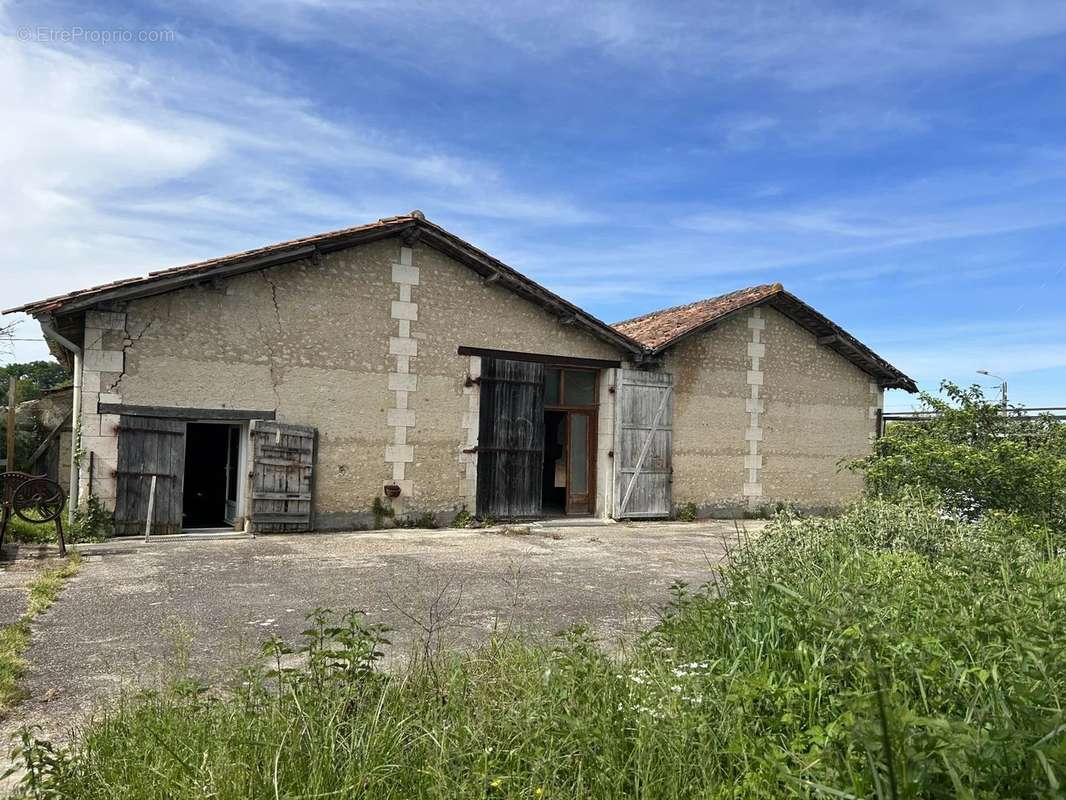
x=763, y=415
x=362, y=346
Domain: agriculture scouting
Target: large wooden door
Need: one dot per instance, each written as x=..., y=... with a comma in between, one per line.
x=283, y=458
x=644, y=444
x=510, y=446
x=149, y=447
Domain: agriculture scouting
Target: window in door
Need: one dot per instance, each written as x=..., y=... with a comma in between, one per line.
x=569, y=448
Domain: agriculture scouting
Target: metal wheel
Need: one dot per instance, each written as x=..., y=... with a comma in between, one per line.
x=38, y=500
x=8, y=482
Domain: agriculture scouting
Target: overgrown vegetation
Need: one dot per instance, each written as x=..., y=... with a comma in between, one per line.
x=15, y=637
x=465, y=519
x=909, y=647
x=687, y=512
x=381, y=511
x=976, y=456
x=887, y=652
x=425, y=519
x=91, y=523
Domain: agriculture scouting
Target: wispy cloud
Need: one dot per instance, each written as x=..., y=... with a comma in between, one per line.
x=810, y=46
x=109, y=174
x=893, y=162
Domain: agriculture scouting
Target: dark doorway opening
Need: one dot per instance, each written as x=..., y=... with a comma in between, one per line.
x=554, y=480
x=209, y=496
x=568, y=482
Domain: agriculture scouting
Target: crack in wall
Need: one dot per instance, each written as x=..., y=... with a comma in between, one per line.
x=129, y=342
x=276, y=370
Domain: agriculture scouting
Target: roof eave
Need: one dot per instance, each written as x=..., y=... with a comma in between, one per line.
x=847, y=346
x=486, y=265
x=412, y=227
x=163, y=281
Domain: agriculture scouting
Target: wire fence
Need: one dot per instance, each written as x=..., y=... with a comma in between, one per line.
x=1020, y=413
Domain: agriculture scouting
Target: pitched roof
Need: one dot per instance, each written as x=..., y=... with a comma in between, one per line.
x=411, y=226
x=660, y=330
x=643, y=335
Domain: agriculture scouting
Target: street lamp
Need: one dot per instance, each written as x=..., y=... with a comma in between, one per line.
x=1002, y=385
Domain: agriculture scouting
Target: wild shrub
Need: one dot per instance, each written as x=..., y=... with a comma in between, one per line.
x=687, y=512
x=976, y=455
x=92, y=523
x=892, y=651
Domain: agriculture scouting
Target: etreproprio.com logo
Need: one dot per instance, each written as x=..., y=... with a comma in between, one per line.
x=79, y=35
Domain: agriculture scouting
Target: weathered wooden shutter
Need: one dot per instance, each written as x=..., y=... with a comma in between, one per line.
x=283, y=458
x=644, y=444
x=510, y=447
x=149, y=446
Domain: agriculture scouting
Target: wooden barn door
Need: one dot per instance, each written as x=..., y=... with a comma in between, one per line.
x=644, y=444
x=149, y=447
x=510, y=447
x=283, y=458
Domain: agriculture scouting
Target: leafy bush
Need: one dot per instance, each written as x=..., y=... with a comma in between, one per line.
x=464, y=519
x=890, y=652
x=92, y=523
x=976, y=456
x=686, y=512
x=425, y=519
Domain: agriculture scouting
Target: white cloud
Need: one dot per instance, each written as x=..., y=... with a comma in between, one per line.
x=114, y=170
x=808, y=46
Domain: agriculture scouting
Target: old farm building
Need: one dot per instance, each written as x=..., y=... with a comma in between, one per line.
x=288, y=388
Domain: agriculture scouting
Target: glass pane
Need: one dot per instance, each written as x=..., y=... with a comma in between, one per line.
x=579, y=453
x=580, y=388
x=551, y=386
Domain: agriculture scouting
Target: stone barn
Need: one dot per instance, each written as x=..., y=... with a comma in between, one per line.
x=394, y=368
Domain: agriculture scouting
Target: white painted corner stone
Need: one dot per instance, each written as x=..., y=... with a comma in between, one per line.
x=403, y=380
x=756, y=349
x=469, y=428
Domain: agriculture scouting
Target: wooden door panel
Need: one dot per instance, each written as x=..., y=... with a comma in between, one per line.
x=643, y=444
x=283, y=457
x=147, y=447
x=510, y=439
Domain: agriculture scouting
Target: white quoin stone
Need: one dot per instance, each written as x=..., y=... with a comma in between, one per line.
x=402, y=310
x=400, y=417
x=403, y=382
x=403, y=347
x=405, y=274
x=399, y=452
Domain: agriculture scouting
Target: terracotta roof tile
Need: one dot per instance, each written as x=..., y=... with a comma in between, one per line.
x=659, y=328
x=57, y=302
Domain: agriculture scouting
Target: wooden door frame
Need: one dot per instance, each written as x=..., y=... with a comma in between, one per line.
x=590, y=452
x=593, y=413
x=243, y=471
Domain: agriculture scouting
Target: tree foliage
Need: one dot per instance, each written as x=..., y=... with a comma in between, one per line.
x=976, y=455
x=34, y=376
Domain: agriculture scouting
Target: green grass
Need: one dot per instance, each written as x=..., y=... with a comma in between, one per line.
x=884, y=653
x=43, y=590
x=18, y=530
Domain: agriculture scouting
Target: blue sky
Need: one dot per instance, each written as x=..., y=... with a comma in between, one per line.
x=900, y=166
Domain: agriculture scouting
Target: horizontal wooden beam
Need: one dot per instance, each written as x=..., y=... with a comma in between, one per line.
x=540, y=358
x=173, y=412
x=830, y=339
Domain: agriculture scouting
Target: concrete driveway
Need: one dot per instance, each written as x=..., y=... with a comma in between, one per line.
x=138, y=612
